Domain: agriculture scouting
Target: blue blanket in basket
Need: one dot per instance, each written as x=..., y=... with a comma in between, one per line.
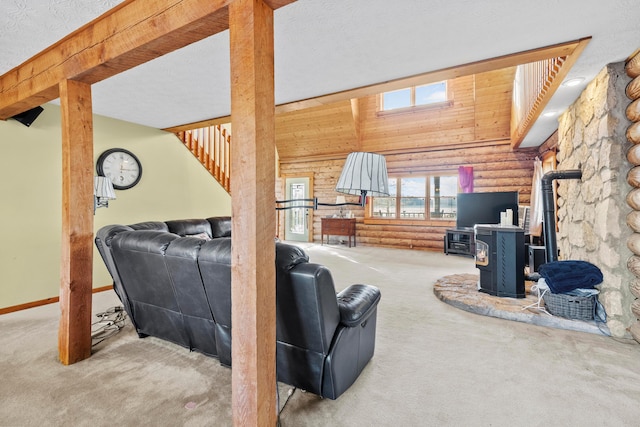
x=565, y=276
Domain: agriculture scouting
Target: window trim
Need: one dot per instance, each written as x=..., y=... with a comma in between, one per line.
x=413, y=107
x=427, y=220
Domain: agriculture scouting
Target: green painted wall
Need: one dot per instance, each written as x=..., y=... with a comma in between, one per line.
x=174, y=185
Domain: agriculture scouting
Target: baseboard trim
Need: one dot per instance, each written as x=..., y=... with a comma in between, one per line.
x=41, y=302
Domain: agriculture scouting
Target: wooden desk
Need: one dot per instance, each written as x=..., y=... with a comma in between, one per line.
x=338, y=227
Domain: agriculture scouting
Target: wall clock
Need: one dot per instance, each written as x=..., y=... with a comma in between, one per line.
x=121, y=166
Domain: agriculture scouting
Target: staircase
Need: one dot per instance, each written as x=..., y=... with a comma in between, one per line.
x=211, y=146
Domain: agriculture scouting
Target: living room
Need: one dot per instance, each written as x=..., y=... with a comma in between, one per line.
x=176, y=194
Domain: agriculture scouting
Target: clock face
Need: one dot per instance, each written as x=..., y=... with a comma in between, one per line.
x=121, y=166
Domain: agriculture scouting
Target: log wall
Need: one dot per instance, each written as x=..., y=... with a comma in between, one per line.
x=472, y=130
x=496, y=168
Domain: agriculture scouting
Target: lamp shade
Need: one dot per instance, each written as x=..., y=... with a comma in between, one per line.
x=364, y=173
x=103, y=188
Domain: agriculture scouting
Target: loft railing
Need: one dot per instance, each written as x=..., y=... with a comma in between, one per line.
x=211, y=146
x=533, y=86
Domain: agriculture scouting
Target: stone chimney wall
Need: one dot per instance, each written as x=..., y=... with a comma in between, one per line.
x=592, y=211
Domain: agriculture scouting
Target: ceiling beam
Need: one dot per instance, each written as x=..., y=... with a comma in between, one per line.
x=128, y=35
x=505, y=61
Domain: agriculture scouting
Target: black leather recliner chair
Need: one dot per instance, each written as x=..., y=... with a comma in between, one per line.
x=175, y=284
x=324, y=341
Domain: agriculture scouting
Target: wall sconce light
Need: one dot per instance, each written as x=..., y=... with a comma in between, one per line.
x=363, y=174
x=102, y=192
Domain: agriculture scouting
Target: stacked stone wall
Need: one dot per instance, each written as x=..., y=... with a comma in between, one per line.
x=592, y=211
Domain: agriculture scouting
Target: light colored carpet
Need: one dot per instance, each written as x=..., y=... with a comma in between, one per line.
x=434, y=365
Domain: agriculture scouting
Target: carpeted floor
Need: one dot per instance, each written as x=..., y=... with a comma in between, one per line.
x=435, y=365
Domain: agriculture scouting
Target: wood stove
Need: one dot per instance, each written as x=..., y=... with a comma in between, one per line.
x=500, y=259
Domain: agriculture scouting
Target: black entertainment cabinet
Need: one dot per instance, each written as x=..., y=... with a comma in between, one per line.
x=460, y=241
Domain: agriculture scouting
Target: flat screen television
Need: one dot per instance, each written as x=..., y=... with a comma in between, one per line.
x=485, y=208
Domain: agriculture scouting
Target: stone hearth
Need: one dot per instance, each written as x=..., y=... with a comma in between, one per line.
x=461, y=291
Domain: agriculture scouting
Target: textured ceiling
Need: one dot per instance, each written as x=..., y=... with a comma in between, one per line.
x=326, y=46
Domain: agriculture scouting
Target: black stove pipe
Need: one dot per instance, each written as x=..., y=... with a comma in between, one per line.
x=548, y=205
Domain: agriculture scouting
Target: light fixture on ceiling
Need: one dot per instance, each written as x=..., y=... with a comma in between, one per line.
x=573, y=82
x=102, y=192
x=363, y=174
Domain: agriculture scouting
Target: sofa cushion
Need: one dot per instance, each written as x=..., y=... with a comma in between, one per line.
x=288, y=256
x=188, y=227
x=220, y=226
x=181, y=259
x=356, y=303
x=149, y=241
x=150, y=225
x=214, y=260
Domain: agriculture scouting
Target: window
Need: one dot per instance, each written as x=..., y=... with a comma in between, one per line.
x=418, y=197
x=414, y=96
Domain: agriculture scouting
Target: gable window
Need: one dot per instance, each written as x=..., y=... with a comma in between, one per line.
x=414, y=197
x=434, y=93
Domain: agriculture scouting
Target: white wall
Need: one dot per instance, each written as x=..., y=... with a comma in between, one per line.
x=174, y=185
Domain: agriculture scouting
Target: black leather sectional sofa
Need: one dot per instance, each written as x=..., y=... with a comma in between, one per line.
x=174, y=280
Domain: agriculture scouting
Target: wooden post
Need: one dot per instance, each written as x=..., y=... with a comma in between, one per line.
x=76, y=264
x=253, y=211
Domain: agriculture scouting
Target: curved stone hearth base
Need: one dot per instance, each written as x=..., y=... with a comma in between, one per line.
x=461, y=291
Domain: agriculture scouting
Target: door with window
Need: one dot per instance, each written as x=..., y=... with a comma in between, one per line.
x=297, y=220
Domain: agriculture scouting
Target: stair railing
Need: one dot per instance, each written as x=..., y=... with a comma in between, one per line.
x=211, y=145
x=532, y=89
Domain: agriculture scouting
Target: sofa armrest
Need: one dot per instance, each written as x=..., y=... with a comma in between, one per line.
x=356, y=303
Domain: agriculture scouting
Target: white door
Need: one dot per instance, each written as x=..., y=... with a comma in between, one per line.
x=296, y=220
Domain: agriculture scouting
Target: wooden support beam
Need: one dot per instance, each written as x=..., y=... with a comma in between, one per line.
x=254, y=216
x=128, y=35
x=134, y=32
x=76, y=263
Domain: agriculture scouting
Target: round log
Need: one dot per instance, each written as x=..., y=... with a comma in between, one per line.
x=633, y=265
x=633, y=155
x=633, y=111
x=632, y=67
x=633, y=243
x=633, y=133
x=633, y=177
x=635, y=308
x=633, y=221
x=633, y=89
x=633, y=199
x=635, y=331
x=635, y=288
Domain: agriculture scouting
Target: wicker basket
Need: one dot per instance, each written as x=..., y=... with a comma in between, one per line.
x=570, y=306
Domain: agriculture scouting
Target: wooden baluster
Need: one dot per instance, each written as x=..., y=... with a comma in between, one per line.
x=222, y=164
x=201, y=137
x=218, y=143
x=213, y=158
x=228, y=163
x=203, y=143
